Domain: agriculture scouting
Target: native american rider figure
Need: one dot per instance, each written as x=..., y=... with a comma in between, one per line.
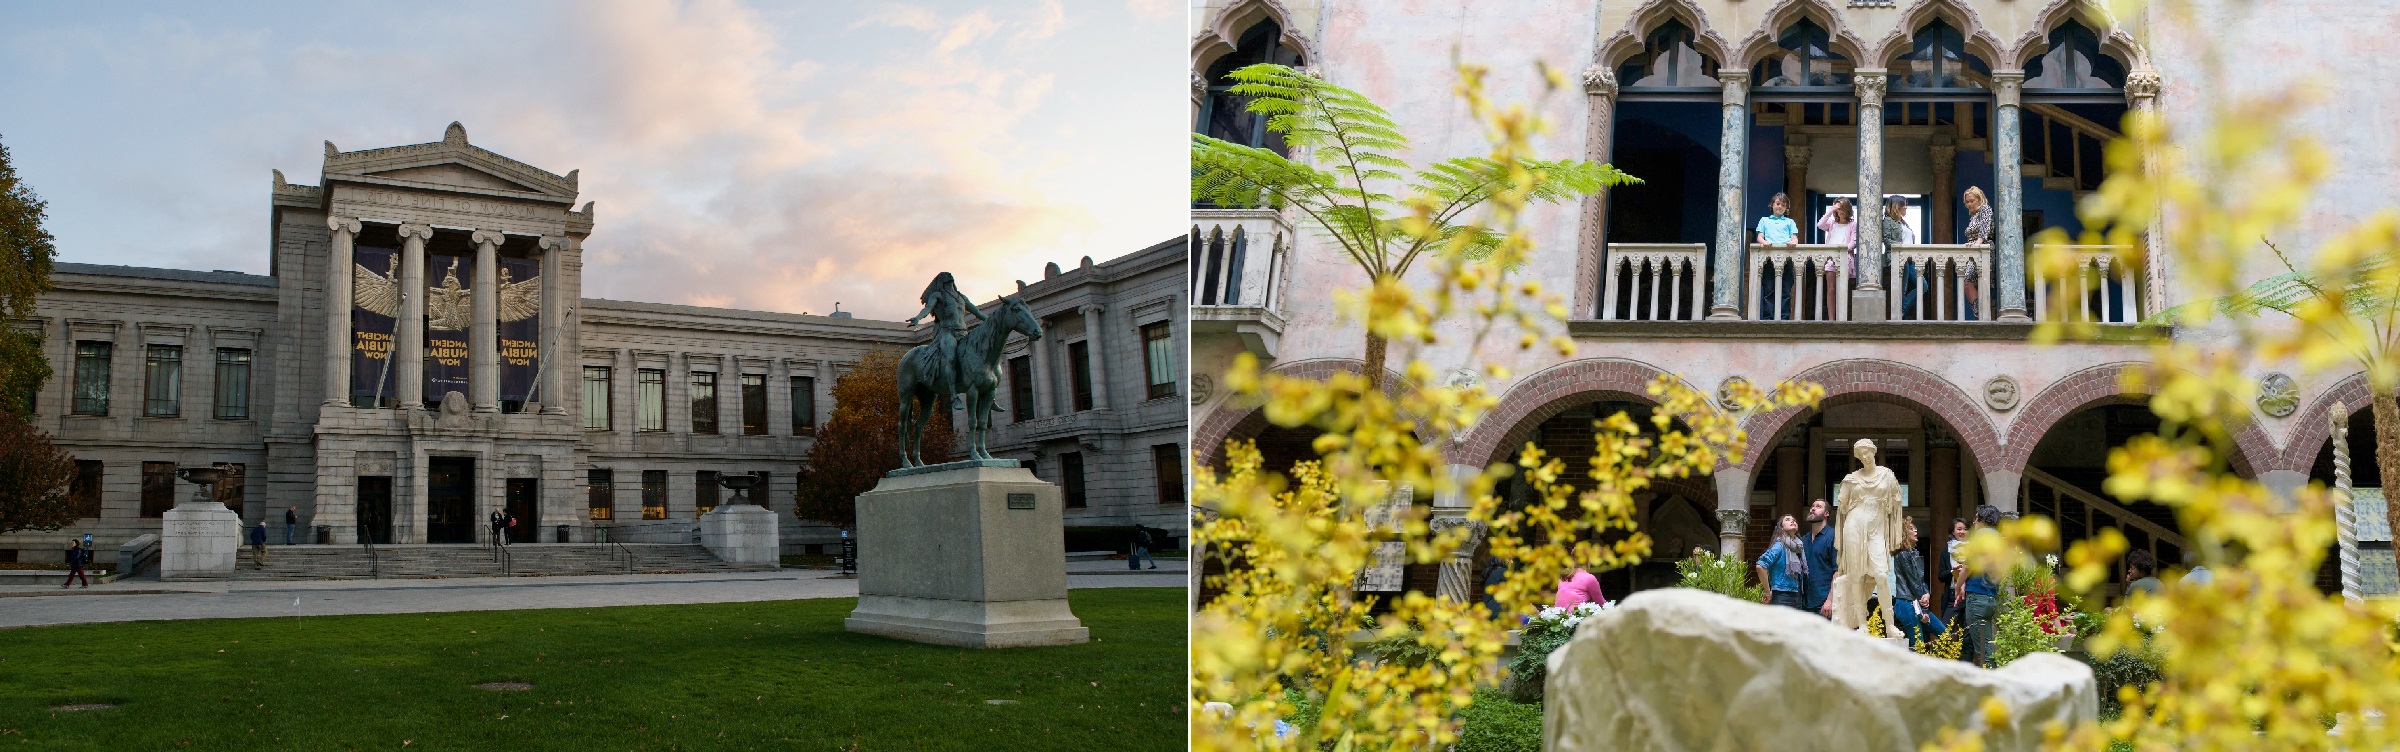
x=949, y=309
x=958, y=361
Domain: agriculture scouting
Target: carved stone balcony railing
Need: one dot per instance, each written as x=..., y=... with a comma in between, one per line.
x=1655, y=282
x=2100, y=288
x=1798, y=283
x=1939, y=283
x=1237, y=272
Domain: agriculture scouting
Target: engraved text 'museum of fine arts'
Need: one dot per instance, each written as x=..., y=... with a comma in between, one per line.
x=444, y=366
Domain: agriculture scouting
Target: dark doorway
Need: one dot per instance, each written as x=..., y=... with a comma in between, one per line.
x=375, y=509
x=524, y=505
x=450, y=501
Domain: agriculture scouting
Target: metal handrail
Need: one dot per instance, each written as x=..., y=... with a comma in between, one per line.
x=624, y=558
x=374, y=564
x=2158, y=533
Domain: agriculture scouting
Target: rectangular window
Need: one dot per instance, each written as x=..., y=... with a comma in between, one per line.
x=158, y=488
x=1020, y=388
x=86, y=491
x=704, y=492
x=1167, y=459
x=1070, y=474
x=704, y=402
x=652, y=398
x=162, y=372
x=804, y=405
x=1158, y=358
x=754, y=404
x=229, y=489
x=1079, y=360
x=654, y=494
x=233, y=384
x=595, y=398
x=602, y=494
x=91, y=377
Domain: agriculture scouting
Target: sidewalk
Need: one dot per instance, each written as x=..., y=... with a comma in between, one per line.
x=146, y=599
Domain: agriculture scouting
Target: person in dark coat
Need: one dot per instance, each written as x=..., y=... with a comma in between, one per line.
x=1141, y=549
x=1822, y=558
x=291, y=524
x=77, y=558
x=258, y=544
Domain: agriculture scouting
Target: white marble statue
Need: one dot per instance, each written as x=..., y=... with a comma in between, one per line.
x=1868, y=525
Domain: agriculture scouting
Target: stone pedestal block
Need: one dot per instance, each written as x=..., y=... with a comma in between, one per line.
x=971, y=555
x=199, y=541
x=746, y=534
x=1868, y=305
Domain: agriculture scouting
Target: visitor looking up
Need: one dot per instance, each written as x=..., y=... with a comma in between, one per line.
x=1912, y=601
x=1822, y=555
x=1783, y=569
x=1983, y=598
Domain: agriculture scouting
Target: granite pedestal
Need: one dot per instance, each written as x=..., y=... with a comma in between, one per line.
x=743, y=534
x=969, y=554
x=198, y=541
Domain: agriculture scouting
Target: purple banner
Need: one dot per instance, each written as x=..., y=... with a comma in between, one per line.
x=520, y=327
x=449, y=314
x=374, y=311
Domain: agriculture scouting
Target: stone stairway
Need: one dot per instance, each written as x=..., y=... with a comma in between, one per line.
x=524, y=560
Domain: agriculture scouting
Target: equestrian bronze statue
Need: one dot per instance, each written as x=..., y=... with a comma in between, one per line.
x=959, y=360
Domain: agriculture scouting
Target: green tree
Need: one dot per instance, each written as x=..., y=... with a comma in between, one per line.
x=25, y=254
x=861, y=441
x=1348, y=147
x=34, y=476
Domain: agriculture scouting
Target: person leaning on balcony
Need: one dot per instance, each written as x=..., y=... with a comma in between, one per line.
x=1784, y=567
x=1840, y=227
x=1896, y=232
x=1777, y=229
x=1979, y=232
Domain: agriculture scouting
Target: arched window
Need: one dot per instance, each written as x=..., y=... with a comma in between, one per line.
x=2074, y=62
x=1667, y=59
x=1937, y=58
x=1807, y=59
x=1225, y=115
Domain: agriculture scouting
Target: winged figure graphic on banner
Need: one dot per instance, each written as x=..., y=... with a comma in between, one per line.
x=448, y=307
x=520, y=300
x=378, y=293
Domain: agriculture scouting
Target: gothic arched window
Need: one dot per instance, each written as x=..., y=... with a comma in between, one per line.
x=2074, y=62
x=1226, y=115
x=1807, y=59
x=1937, y=58
x=1667, y=59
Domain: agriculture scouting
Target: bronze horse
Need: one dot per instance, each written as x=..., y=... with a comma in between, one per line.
x=926, y=386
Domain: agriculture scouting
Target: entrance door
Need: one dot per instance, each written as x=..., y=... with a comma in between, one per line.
x=450, y=501
x=523, y=494
x=375, y=509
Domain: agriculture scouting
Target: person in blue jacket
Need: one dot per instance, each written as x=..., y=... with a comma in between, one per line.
x=1784, y=567
x=1823, y=556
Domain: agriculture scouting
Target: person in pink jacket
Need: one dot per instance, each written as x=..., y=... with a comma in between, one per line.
x=1840, y=227
x=1579, y=589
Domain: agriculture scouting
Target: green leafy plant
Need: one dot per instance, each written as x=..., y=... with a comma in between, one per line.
x=1494, y=723
x=2017, y=632
x=1724, y=575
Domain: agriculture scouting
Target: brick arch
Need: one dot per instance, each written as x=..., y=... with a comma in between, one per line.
x=1867, y=380
x=2104, y=385
x=1208, y=438
x=2313, y=426
x=1547, y=393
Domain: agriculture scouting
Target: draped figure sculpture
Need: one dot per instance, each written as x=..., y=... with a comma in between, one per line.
x=1868, y=526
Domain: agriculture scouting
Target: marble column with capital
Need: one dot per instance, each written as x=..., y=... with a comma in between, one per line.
x=1727, y=260
x=338, y=261
x=1796, y=155
x=1095, y=334
x=553, y=361
x=2008, y=243
x=1599, y=115
x=483, y=337
x=410, y=349
x=1867, y=301
x=2141, y=95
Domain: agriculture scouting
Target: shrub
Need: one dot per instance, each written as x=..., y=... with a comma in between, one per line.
x=1495, y=724
x=1724, y=575
x=1543, y=635
x=2017, y=632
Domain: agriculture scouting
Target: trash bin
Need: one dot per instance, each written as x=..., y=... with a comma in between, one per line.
x=562, y=534
x=324, y=535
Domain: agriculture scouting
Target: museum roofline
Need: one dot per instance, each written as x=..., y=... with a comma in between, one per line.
x=151, y=272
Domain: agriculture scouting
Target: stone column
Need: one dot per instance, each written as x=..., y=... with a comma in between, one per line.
x=338, y=263
x=1733, y=498
x=1791, y=481
x=1944, y=155
x=1867, y=301
x=411, y=346
x=483, y=337
x=2008, y=217
x=2141, y=94
x=1732, y=526
x=556, y=364
x=2345, y=517
x=1599, y=116
x=1796, y=153
x=1941, y=493
x=1731, y=254
x=1095, y=333
x=1457, y=581
x=1045, y=404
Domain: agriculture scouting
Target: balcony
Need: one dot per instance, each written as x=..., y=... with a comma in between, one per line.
x=2101, y=283
x=1938, y=283
x=1655, y=282
x=1237, y=271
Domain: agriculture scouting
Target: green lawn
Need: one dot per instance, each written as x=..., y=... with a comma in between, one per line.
x=773, y=675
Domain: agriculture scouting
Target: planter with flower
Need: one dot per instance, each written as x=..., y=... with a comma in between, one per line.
x=1542, y=635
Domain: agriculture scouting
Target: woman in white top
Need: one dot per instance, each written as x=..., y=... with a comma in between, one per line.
x=1979, y=232
x=1840, y=225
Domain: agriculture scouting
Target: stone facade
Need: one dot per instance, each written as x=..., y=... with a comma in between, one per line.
x=314, y=432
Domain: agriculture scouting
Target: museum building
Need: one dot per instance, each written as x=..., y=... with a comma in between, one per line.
x=419, y=355
x=1718, y=106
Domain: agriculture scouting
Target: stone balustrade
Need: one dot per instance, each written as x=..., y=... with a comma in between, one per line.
x=1939, y=283
x=1798, y=283
x=1237, y=257
x=1654, y=282
x=2098, y=287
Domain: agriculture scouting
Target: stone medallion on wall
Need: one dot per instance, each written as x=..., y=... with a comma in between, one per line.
x=2277, y=395
x=1725, y=392
x=1203, y=388
x=1461, y=379
x=2001, y=393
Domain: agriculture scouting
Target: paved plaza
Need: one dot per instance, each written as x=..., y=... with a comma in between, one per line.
x=146, y=598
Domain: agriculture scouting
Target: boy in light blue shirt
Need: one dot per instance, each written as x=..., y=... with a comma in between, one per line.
x=1778, y=230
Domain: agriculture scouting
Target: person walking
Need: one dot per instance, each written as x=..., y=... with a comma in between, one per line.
x=291, y=524
x=1912, y=601
x=1783, y=569
x=1141, y=549
x=1982, y=598
x=1823, y=555
x=258, y=544
x=499, y=527
x=77, y=558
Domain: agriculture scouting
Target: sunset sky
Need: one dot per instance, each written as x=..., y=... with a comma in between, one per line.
x=775, y=156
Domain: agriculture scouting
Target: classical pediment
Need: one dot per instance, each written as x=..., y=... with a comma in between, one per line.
x=449, y=164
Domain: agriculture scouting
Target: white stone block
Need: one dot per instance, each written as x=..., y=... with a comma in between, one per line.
x=745, y=534
x=198, y=541
x=950, y=558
